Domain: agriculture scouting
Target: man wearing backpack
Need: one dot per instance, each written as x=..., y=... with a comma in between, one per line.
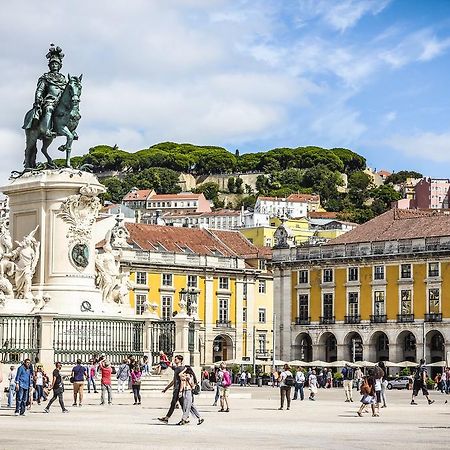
x=347, y=376
x=286, y=382
x=299, y=384
x=224, y=380
x=420, y=383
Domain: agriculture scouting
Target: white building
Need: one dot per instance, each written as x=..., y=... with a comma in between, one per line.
x=296, y=205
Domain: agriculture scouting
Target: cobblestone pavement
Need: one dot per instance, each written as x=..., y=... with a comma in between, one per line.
x=252, y=422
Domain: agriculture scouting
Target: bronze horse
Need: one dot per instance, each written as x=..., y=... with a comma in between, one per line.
x=65, y=120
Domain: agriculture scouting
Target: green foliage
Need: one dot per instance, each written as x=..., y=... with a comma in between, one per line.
x=323, y=181
x=383, y=197
x=210, y=190
x=359, y=184
x=231, y=185
x=246, y=202
x=405, y=372
x=351, y=160
x=400, y=177
x=238, y=186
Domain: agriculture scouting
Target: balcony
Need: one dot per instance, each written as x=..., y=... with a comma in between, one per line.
x=260, y=354
x=223, y=323
x=433, y=317
x=352, y=319
x=327, y=320
x=302, y=320
x=404, y=318
x=378, y=318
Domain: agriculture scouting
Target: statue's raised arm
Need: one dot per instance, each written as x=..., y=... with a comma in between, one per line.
x=55, y=111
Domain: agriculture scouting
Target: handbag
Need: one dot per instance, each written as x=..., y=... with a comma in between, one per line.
x=196, y=390
x=367, y=399
x=72, y=380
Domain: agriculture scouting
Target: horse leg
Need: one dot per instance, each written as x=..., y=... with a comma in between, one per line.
x=31, y=137
x=67, y=147
x=45, y=144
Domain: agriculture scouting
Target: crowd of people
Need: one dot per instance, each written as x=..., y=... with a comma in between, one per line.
x=29, y=384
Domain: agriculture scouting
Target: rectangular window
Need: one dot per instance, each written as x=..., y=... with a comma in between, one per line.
x=406, y=301
x=328, y=306
x=167, y=279
x=223, y=310
x=224, y=283
x=405, y=271
x=166, y=308
x=433, y=269
x=327, y=275
x=245, y=290
x=303, y=307
x=262, y=264
x=353, y=274
x=378, y=305
x=378, y=273
x=262, y=315
x=140, y=304
x=303, y=277
x=262, y=343
x=262, y=286
x=353, y=306
x=433, y=301
x=244, y=315
x=192, y=281
x=141, y=278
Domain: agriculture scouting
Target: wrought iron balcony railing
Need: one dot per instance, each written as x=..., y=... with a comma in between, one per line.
x=433, y=317
x=327, y=320
x=404, y=318
x=223, y=323
x=302, y=320
x=352, y=319
x=378, y=318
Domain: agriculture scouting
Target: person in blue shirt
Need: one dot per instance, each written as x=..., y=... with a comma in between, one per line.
x=24, y=381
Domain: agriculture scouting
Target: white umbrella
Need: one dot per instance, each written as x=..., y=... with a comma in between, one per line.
x=318, y=363
x=269, y=362
x=391, y=364
x=297, y=362
x=364, y=364
x=438, y=364
x=338, y=363
x=407, y=364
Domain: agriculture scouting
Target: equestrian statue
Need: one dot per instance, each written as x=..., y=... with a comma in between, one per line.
x=55, y=111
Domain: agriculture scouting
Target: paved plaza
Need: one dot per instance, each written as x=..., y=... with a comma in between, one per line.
x=253, y=422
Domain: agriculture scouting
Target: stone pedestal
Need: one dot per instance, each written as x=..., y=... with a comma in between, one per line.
x=35, y=200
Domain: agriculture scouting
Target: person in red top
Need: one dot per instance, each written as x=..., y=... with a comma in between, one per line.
x=106, y=371
x=163, y=364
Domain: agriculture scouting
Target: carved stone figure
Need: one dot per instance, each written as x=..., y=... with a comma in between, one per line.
x=55, y=111
x=119, y=234
x=26, y=257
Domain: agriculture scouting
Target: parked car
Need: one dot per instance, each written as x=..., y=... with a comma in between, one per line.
x=399, y=383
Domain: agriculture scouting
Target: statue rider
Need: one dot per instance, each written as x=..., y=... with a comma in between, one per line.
x=50, y=86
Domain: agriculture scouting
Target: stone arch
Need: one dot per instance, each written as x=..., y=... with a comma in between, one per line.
x=328, y=347
x=407, y=346
x=378, y=347
x=223, y=348
x=354, y=347
x=435, y=346
x=303, y=347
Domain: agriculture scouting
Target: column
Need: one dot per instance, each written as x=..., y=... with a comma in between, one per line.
x=182, y=337
x=251, y=322
x=46, y=351
x=239, y=322
x=209, y=317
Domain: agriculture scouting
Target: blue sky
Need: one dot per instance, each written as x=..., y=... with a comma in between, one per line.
x=369, y=75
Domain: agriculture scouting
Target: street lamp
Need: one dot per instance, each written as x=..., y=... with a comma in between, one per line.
x=188, y=301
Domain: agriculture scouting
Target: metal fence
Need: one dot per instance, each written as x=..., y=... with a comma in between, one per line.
x=162, y=339
x=19, y=338
x=82, y=338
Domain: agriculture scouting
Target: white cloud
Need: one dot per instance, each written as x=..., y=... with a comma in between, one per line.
x=389, y=117
x=428, y=146
x=340, y=14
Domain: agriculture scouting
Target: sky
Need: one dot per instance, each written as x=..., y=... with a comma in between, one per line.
x=369, y=75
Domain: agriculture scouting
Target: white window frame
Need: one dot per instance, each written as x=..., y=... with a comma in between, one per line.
x=323, y=303
x=223, y=306
x=224, y=283
x=262, y=286
x=304, y=294
x=375, y=313
x=139, y=275
x=375, y=273
x=140, y=299
x=262, y=315
x=428, y=299
x=438, y=269
x=307, y=276
x=323, y=275
x=165, y=277
x=190, y=278
x=165, y=307
x=357, y=303
x=357, y=274
x=411, y=290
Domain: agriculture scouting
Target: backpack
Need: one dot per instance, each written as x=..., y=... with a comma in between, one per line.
x=379, y=372
x=289, y=380
x=226, y=381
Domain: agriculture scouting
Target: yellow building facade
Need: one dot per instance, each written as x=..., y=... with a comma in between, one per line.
x=379, y=292
x=230, y=288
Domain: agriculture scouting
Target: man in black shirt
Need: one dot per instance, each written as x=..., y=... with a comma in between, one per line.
x=177, y=368
x=58, y=389
x=420, y=383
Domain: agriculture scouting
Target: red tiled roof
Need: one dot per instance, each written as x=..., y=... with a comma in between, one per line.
x=149, y=237
x=236, y=242
x=141, y=194
x=397, y=224
x=322, y=215
x=303, y=198
x=384, y=173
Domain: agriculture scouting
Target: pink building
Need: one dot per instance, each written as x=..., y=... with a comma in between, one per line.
x=432, y=193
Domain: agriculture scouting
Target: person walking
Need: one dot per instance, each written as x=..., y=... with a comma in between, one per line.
x=299, y=384
x=368, y=395
x=12, y=386
x=249, y=378
x=242, y=378
x=136, y=384
x=217, y=393
x=358, y=378
x=224, y=382
x=384, y=383
x=24, y=382
x=123, y=374
x=378, y=374
x=347, y=376
x=39, y=381
x=92, y=372
x=58, y=389
x=312, y=383
x=286, y=380
x=78, y=378
x=106, y=371
x=177, y=368
x=420, y=383
x=188, y=382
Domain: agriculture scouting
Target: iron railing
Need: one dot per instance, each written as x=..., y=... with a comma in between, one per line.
x=352, y=319
x=327, y=320
x=162, y=339
x=19, y=338
x=83, y=338
x=223, y=323
x=302, y=320
x=378, y=318
x=404, y=318
x=433, y=317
